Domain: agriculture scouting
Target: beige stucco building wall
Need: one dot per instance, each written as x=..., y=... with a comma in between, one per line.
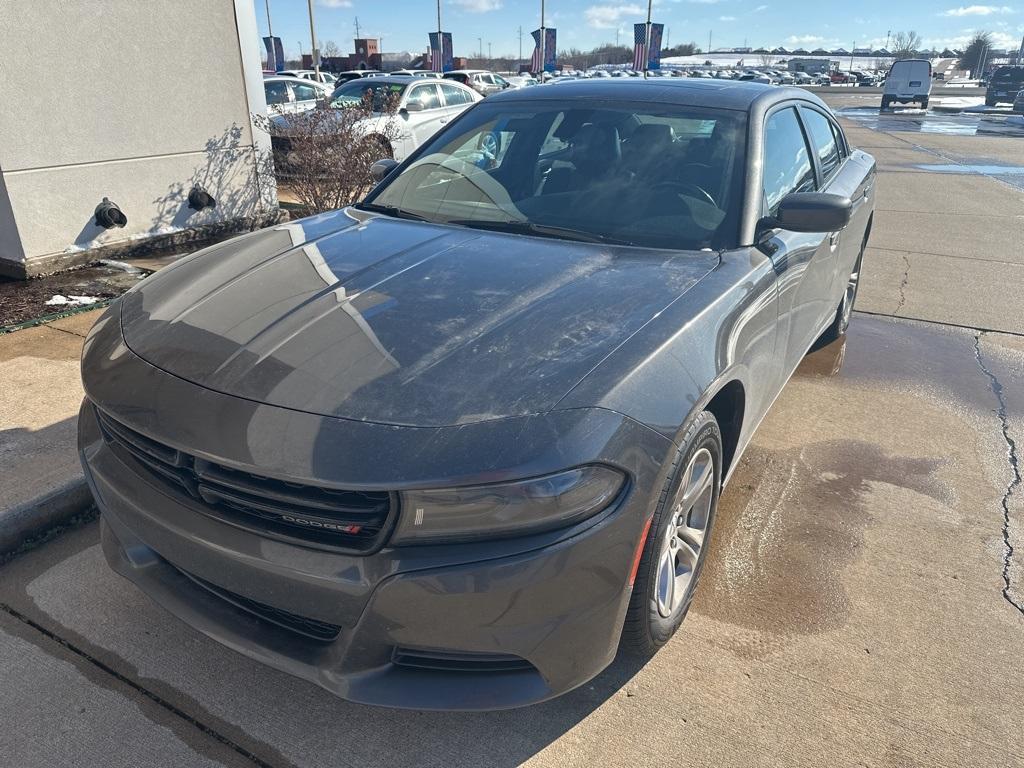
x=138, y=101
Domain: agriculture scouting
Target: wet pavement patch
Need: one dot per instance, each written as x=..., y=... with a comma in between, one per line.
x=787, y=526
x=919, y=121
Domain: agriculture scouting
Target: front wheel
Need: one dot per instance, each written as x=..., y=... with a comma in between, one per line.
x=676, y=546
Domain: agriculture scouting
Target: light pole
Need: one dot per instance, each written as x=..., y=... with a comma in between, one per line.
x=647, y=38
x=480, y=45
x=312, y=38
x=543, y=35
x=489, y=56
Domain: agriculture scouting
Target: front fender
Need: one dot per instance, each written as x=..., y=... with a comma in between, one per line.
x=723, y=329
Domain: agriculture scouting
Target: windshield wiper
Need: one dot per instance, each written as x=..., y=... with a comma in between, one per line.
x=540, y=230
x=391, y=210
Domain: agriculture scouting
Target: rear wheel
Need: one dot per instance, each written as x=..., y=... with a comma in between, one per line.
x=676, y=546
x=886, y=103
x=924, y=103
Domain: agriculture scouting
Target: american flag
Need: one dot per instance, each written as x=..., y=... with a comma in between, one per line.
x=436, y=55
x=639, y=47
x=536, y=65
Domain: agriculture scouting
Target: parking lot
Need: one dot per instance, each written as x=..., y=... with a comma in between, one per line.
x=864, y=600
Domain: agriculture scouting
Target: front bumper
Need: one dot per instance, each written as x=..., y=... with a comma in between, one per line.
x=513, y=622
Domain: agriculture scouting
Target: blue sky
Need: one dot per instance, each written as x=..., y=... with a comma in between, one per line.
x=404, y=24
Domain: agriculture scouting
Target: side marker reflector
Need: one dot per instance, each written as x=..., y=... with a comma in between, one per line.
x=639, y=551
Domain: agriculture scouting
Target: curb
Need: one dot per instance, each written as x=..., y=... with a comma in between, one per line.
x=18, y=526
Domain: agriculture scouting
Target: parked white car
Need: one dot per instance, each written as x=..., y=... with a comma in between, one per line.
x=286, y=94
x=424, y=105
x=525, y=81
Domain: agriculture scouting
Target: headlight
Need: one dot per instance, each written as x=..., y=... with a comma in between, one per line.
x=506, y=509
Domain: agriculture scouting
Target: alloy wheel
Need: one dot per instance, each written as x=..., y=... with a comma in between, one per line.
x=684, y=537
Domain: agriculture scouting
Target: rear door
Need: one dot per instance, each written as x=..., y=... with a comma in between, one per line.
x=423, y=124
x=456, y=99
x=804, y=262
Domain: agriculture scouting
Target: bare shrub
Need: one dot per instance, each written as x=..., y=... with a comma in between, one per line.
x=323, y=156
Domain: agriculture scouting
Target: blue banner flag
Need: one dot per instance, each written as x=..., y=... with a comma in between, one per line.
x=654, y=50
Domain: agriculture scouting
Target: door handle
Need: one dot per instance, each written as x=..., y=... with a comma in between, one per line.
x=444, y=120
x=833, y=240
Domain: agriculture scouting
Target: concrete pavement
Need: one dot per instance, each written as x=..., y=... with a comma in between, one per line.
x=42, y=481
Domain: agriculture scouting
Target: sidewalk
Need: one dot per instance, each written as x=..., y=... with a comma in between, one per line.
x=42, y=482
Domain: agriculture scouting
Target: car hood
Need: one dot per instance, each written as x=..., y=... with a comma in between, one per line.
x=398, y=321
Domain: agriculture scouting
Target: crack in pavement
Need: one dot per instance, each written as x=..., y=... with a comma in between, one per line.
x=155, y=698
x=903, y=285
x=1012, y=460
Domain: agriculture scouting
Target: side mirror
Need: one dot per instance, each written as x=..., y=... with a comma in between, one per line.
x=414, y=106
x=810, y=212
x=380, y=169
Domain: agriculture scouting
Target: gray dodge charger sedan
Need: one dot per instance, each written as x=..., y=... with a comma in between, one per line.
x=456, y=446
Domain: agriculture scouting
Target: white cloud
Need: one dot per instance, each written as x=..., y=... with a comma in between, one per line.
x=804, y=39
x=335, y=3
x=478, y=6
x=727, y=18
x=702, y=2
x=760, y=8
x=977, y=10
x=609, y=16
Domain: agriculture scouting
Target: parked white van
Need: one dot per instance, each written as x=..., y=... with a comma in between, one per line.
x=909, y=80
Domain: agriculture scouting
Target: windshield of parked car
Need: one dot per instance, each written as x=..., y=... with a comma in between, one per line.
x=652, y=175
x=353, y=93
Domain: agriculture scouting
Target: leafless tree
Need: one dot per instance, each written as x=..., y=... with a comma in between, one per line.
x=329, y=48
x=323, y=156
x=905, y=44
x=766, y=59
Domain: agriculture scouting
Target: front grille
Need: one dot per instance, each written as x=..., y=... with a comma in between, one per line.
x=459, y=661
x=355, y=521
x=303, y=625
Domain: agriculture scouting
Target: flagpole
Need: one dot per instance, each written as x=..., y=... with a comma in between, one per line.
x=543, y=42
x=647, y=45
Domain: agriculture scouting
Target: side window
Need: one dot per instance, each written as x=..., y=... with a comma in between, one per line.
x=426, y=95
x=453, y=95
x=787, y=165
x=823, y=140
x=277, y=92
x=844, y=151
x=305, y=92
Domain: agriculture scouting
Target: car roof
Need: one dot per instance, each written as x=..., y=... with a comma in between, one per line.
x=397, y=79
x=291, y=79
x=695, y=92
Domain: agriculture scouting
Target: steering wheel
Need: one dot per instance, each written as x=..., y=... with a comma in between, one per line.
x=686, y=187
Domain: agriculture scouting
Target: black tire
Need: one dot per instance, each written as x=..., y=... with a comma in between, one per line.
x=924, y=103
x=886, y=103
x=989, y=103
x=646, y=629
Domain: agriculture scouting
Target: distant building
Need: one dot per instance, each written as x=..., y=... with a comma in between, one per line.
x=367, y=56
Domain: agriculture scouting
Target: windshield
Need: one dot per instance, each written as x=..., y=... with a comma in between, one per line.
x=352, y=93
x=653, y=175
